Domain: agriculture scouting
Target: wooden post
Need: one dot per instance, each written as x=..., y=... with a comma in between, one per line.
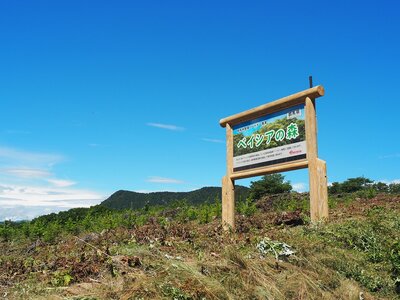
x=316, y=167
x=228, y=184
x=322, y=191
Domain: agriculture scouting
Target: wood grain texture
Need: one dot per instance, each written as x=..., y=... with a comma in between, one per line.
x=274, y=106
x=229, y=150
x=228, y=184
x=316, y=167
x=228, y=203
x=311, y=129
x=299, y=164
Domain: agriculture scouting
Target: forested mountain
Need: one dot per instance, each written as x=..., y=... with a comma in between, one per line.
x=180, y=250
x=127, y=199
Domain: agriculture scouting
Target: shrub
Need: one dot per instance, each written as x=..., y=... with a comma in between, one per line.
x=269, y=184
x=350, y=185
x=394, y=188
x=246, y=207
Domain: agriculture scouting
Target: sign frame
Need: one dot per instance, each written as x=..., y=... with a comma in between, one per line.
x=317, y=167
x=269, y=140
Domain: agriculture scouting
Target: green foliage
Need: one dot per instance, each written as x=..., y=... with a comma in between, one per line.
x=394, y=258
x=204, y=214
x=10, y=230
x=364, y=247
x=278, y=124
x=174, y=293
x=52, y=231
x=366, y=188
x=113, y=269
x=355, y=184
x=51, y=228
x=394, y=188
x=380, y=187
x=133, y=200
x=350, y=185
x=246, y=207
x=188, y=213
x=371, y=245
x=355, y=271
x=292, y=203
x=367, y=193
x=372, y=242
x=6, y=231
x=61, y=278
x=269, y=184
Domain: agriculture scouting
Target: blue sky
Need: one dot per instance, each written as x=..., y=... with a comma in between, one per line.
x=98, y=96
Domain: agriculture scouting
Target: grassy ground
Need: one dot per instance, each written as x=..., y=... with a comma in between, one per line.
x=355, y=256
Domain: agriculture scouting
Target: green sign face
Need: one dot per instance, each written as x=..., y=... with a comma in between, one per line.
x=269, y=140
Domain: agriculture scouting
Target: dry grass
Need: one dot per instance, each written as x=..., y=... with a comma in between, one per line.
x=194, y=261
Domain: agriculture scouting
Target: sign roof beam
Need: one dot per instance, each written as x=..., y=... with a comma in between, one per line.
x=274, y=106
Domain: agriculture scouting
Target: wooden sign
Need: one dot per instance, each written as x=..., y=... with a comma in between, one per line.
x=275, y=137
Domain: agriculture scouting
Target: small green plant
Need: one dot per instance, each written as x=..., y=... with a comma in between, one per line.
x=350, y=269
x=61, y=278
x=174, y=292
x=192, y=214
x=291, y=203
x=368, y=193
x=204, y=215
x=373, y=248
x=246, y=207
x=395, y=260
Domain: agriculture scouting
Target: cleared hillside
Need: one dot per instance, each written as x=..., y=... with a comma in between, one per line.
x=181, y=252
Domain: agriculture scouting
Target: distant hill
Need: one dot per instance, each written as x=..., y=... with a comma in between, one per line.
x=127, y=199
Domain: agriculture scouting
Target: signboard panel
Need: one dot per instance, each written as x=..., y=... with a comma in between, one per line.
x=272, y=139
x=280, y=136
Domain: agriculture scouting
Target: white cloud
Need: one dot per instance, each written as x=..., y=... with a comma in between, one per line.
x=389, y=181
x=38, y=195
x=145, y=191
x=166, y=126
x=299, y=187
x=23, y=212
x=213, y=140
x=26, y=172
x=156, y=179
x=61, y=182
x=29, y=188
x=152, y=191
x=20, y=157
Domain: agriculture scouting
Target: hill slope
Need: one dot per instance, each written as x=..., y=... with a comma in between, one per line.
x=127, y=199
x=177, y=253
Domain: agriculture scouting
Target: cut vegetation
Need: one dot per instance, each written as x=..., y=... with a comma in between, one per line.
x=179, y=251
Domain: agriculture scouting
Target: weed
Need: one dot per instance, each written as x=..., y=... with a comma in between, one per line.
x=122, y=254
x=292, y=203
x=61, y=278
x=368, y=193
x=174, y=292
x=246, y=207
